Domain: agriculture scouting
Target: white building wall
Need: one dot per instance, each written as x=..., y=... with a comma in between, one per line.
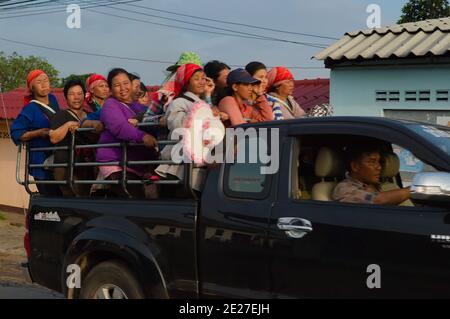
x=11, y=193
x=353, y=89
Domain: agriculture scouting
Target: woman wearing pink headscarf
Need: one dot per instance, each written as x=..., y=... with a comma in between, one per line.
x=280, y=88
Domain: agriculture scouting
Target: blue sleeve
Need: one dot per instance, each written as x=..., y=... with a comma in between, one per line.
x=22, y=124
x=94, y=116
x=53, y=102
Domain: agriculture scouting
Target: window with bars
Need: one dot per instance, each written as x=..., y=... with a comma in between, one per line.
x=442, y=95
x=425, y=96
x=381, y=96
x=388, y=96
x=412, y=96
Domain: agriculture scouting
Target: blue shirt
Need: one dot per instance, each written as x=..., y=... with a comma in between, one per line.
x=94, y=116
x=33, y=118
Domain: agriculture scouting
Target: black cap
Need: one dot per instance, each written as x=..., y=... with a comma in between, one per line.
x=241, y=76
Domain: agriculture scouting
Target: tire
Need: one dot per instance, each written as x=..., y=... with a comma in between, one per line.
x=111, y=280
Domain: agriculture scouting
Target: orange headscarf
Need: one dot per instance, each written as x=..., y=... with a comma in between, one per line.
x=277, y=76
x=30, y=78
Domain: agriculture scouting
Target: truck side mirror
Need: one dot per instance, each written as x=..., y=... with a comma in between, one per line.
x=431, y=188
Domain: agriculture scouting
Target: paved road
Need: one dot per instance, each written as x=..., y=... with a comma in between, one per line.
x=13, y=285
x=17, y=291
x=8, y=291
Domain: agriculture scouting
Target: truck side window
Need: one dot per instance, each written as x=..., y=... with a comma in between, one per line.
x=244, y=180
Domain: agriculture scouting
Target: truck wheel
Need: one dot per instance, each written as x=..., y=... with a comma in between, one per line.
x=111, y=280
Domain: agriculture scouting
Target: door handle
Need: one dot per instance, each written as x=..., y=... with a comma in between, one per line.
x=295, y=227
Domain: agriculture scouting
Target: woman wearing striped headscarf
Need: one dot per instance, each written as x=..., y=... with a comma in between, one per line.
x=280, y=88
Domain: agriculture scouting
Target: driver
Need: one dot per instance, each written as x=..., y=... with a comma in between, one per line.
x=362, y=183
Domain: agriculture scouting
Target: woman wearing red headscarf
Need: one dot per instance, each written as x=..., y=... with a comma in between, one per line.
x=97, y=92
x=190, y=86
x=280, y=88
x=33, y=126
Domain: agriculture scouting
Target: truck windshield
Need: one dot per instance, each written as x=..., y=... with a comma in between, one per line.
x=438, y=135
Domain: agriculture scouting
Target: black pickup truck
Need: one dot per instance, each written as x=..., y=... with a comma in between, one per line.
x=253, y=235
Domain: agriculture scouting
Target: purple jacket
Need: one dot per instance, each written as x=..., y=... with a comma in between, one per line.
x=115, y=116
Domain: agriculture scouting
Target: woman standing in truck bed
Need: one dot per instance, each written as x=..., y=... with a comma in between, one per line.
x=116, y=113
x=190, y=86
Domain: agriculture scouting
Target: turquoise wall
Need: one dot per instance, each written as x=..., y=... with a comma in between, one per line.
x=353, y=90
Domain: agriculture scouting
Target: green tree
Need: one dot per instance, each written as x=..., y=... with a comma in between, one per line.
x=82, y=77
x=419, y=10
x=15, y=68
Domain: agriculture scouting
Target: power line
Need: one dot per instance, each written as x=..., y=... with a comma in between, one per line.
x=44, y=7
x=234, y=23
x=18, y=9
x=83, y=52
x=222, y=29
x=54, y=7
x=204, y=31
x=59, y=11
x=251, y=36
x=34, y=5
x=47, y=4
x=19, y=2
x=119, y=57
x=38, y=9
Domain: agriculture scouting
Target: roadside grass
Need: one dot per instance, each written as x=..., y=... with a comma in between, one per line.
x=2, y=216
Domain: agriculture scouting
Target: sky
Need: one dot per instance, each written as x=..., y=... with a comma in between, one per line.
x=113, y=35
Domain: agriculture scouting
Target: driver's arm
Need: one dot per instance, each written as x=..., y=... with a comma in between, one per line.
x=394, y=197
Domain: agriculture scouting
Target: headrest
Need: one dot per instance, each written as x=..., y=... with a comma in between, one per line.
x=328, y=163
x=390, y=165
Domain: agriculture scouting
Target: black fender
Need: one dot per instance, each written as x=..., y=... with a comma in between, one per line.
x=106, y=243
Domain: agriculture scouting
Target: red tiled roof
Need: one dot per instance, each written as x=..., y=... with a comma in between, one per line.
x=14, y=102
x=308, y=93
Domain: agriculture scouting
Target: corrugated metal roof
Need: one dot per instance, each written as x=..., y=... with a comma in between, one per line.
x=416, y=39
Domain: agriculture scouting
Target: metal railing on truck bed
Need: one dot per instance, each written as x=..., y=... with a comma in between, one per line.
x=72, y=164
